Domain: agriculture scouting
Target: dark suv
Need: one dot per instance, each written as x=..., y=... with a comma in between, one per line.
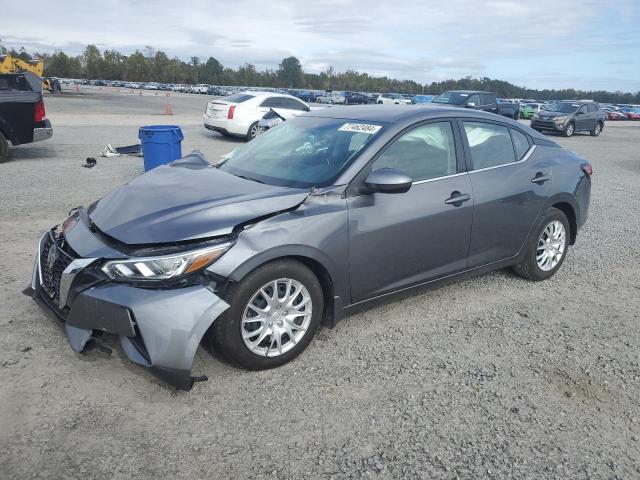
x=570, y=117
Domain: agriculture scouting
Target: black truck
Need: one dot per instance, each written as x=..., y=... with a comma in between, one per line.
x=22, y=114
x=486, y=101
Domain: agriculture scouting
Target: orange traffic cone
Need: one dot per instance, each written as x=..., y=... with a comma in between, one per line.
x=167, y=108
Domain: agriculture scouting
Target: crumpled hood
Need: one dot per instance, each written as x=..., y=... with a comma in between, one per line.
x=186, y=200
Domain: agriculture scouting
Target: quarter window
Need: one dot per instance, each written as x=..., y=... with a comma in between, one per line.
x=490, y=144
x=423, y=153
x=520, y=143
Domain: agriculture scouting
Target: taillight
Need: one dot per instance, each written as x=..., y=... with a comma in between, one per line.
x=587, y=168
x=232, y=109
x=40, y=113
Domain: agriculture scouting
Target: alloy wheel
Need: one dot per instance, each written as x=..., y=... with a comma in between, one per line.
x=276, y=317
x=551, y=246
x=255, y=131
x=570, y=130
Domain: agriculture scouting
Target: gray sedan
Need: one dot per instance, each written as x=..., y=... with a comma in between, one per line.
x=331, y=211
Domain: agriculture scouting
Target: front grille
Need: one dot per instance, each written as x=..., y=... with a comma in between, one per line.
x=53, y=260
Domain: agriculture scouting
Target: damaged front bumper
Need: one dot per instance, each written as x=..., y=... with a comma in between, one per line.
x=159, y=328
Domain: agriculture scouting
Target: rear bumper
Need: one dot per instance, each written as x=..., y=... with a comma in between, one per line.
x=44, y=133
x=223, y=125
x=157, y=328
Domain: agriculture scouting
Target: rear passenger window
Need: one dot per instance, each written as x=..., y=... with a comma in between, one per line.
x=490, y=144
x=292, y=104
x=520, y=143
x=423, y=153
x=487, y=99
x=271, y=102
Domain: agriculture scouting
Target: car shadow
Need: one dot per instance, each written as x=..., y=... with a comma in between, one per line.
x=28, y=152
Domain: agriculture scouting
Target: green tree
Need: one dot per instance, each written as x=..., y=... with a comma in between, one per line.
x=93, y=62
x=290, y=73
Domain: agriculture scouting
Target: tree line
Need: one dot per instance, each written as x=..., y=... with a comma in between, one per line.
x=152, y=65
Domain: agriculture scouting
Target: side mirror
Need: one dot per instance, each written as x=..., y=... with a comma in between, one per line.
x=308, y=109
x=580, y=112
x=471, y=104
x=388, y=180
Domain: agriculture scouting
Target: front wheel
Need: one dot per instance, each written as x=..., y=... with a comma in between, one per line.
x=547, y=247
x=570, y=130
x=597, y=130
x=273, y=315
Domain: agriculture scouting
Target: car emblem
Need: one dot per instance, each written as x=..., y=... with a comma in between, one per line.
x=52, y=256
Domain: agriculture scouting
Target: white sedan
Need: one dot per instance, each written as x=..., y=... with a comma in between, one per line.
x=393, y=99
x=240, y=113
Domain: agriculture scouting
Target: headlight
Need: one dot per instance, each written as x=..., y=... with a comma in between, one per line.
x=163, y=267
x=535, y=115
x=560, y=120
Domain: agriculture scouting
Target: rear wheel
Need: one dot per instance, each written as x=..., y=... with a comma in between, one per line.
x=570, y=130
x=273, y=315
x=254, y=131
x=547, y=248
x=597, y=130
x=4, y=148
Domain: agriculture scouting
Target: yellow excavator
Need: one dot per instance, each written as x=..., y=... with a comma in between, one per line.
x=9, y=64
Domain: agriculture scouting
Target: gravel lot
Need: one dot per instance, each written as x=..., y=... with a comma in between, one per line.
x=494, y=377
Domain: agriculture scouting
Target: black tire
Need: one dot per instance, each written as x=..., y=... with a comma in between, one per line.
x=570, y=130
x=4, y=148
x=529, y=268
x=252, y=132
x=596, y=131
x=516, y=116
x=226, y=334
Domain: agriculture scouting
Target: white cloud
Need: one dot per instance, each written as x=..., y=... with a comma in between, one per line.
x=420, y=40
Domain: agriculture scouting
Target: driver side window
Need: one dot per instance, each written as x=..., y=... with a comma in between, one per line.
x=423, y=153
x=474, y=99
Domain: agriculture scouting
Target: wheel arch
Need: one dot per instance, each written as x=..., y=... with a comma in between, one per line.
x=569, y=210
x=333, y=289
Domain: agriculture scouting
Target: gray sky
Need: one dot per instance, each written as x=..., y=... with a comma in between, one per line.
x=584, y=44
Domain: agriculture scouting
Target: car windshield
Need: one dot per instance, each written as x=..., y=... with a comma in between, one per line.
x=303, y=152
x=452, y=98
x=563, y=107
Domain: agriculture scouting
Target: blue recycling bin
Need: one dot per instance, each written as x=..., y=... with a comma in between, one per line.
x=161, y=144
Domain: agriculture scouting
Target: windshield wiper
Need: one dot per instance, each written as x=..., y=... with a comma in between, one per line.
x=249, y=178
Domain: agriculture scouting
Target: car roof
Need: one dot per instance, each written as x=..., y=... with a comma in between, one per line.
x=265, y=94
x=408, y=115
x=467, y=91
x=393, y=113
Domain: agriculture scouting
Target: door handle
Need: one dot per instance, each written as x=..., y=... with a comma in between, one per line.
x=540, y=178
x=456, y=199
